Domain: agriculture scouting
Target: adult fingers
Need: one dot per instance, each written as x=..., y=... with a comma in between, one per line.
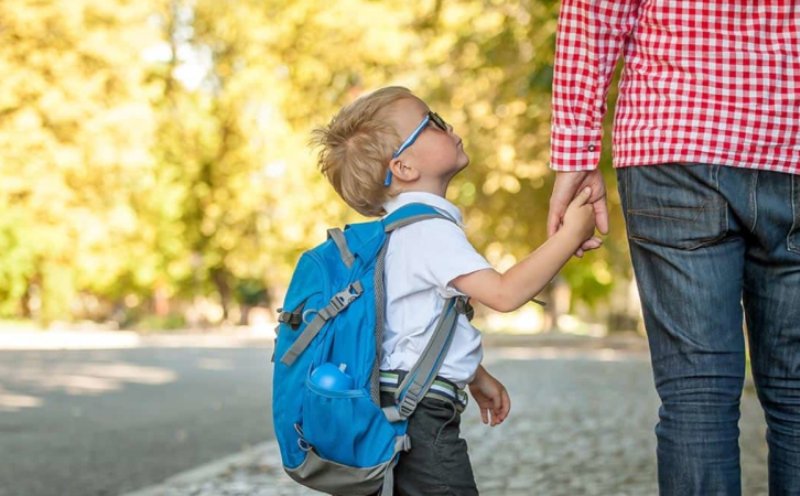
x=601, y=214
x=564, y=188
x=554, y=216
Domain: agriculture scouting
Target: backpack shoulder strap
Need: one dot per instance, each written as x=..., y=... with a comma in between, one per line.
x=411, y=213
x=340, y=241
x=421, y=376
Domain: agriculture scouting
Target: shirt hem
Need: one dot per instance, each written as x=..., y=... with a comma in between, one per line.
x=642, y=153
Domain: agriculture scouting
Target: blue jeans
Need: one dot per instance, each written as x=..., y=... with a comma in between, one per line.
x=709, y=243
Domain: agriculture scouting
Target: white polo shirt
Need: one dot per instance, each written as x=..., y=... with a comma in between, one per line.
x=421, y=261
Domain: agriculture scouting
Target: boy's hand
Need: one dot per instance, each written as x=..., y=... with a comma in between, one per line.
x=579, y=219
x=491, y=396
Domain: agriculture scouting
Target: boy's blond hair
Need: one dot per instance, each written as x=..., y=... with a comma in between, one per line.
x=357, y=146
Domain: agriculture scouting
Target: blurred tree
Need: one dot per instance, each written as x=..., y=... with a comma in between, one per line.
x=489, y=71
x=157, y=150
x=75, y=130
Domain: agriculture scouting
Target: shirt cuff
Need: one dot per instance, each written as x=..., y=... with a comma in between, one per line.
x=573, y=150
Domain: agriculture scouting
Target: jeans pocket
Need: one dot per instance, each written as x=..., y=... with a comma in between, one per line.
x=449, y=423
x=793, y=238
x=674, y=205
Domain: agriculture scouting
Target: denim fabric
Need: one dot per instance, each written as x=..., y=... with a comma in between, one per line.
x=709, y=244
x=438, y=462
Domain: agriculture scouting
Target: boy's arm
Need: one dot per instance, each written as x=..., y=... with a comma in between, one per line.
x=509, y=291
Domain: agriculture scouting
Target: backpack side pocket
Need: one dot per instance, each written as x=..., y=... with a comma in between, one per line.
x=347, y=427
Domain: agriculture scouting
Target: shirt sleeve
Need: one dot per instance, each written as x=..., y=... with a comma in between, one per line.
x=445, y=255
x=590, y=37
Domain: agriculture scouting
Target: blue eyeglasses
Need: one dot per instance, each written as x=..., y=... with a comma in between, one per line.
x=429, y=117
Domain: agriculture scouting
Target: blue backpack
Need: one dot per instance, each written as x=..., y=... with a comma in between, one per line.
x=333, y=434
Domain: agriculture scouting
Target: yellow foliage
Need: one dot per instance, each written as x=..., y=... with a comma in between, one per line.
x=165, y=143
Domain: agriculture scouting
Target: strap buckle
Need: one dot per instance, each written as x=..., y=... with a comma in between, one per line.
x=464, y=308
x=408, y=405
x=343, y=298
x=294, y=318
x=291, y=318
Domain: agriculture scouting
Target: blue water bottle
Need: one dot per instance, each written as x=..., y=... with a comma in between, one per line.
x=332, y=378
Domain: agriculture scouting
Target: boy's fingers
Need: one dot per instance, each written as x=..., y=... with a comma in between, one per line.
x=493, y=410
x=501, y=406
x=485, y=415
x=499, y=416
x=591, y=244
x=582, y=197
x=506, y=403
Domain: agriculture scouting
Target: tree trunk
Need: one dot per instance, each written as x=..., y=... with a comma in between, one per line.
x=220, y=277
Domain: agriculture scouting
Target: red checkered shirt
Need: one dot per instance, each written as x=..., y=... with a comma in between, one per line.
x=708, y=81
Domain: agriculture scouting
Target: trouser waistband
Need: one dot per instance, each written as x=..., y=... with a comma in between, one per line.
x=441, y=388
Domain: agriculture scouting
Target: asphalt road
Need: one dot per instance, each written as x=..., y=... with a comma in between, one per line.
x=104, y=422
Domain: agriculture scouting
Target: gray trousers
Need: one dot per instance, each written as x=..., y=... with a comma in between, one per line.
x=438, y=463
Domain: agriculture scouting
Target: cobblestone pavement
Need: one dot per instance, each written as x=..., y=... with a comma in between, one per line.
x=581, y=424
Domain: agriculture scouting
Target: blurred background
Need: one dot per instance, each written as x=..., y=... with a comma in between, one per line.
x=157, y=188
x=155, y=171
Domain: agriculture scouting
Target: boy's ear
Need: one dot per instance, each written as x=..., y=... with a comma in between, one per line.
x=403, y=171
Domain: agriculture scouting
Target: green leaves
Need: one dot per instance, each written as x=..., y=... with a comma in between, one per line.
x=161, y=146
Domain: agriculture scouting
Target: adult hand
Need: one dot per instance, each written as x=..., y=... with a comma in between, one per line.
x=566, y=188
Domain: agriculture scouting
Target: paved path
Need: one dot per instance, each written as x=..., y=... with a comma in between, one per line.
x=581, y=424
x=102, y=422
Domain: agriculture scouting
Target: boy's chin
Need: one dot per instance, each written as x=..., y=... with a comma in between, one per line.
x=458, y=169
x=459, y=166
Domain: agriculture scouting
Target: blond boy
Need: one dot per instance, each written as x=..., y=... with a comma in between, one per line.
x=385, y=150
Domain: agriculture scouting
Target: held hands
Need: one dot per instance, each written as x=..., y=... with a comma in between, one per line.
x=491, y=396
x=579, y=219
x=565, y=189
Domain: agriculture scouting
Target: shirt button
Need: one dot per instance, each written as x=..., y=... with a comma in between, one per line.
x=591, y=148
